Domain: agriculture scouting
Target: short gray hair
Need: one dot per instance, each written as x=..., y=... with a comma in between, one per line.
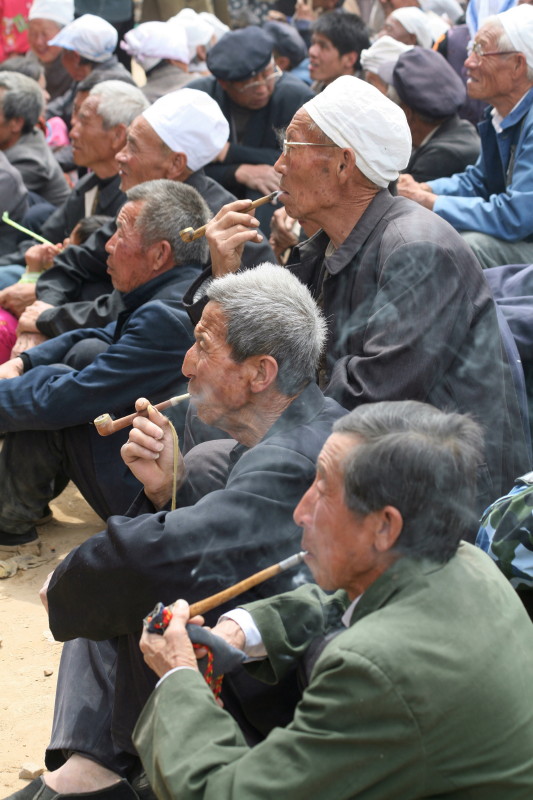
x=269, y=311
x=504, y=43
x=119, y=102
x=169, y=207
x=420, y=460
x=23, y=98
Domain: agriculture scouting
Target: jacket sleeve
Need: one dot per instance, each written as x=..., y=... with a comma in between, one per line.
x=352, y=735
x=63, y=283
x=152, y=346
x=83, y=314
x=463, y=200
x=191, y=552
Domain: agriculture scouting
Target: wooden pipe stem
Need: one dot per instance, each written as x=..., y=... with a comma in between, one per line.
x=189, y=234
x=105, y=425
x=208, y=603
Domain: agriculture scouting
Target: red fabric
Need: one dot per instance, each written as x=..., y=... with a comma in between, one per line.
x=8, y=337
x=13, y=27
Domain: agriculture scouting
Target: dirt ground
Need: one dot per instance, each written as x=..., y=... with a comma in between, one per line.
x=29, y=656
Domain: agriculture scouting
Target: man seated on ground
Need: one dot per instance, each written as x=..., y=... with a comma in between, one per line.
x=88, y=46
x=45, y=19
x=21, y=104
x=161, y=50
x=252, y=376
x=490, y=202
x=97, y=136
x=257, y=99
x=399, y=698
x=409, y=312
x=46, y=408
x=174, y=138
x=431, y=93
x=336, y=44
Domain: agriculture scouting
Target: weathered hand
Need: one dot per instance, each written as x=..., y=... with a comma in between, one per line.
x=282, y=235
x=174, y=648
x=419, y=192
x=261, y=177
x=11, y=369
x=29, y=317
x=15, y=298
x=25, y=341
x=227, y=233
x=41, y=256
x=149, y=454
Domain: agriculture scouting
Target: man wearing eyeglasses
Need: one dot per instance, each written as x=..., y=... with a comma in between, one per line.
x=490, y=203
x=257, y=99
x=409, y=313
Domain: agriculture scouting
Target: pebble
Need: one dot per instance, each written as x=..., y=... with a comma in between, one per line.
x=48, y=672
x=30, y=771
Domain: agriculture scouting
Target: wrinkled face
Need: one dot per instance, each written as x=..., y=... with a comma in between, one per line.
x=79, y=99
x=218, y=385
x=40, y=31
x=8, y=133
x=325, y=62
x=391, y=27
x=489, y=78
x=254, y=92
x=339, y=543
x=71, y=61
x=303, y=197
x=144, y=157
x=127, y=259
x=92, y=145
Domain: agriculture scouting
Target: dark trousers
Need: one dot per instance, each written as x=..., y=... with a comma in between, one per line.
x=36, y=465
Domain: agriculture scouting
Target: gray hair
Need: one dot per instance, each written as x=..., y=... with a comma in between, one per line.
x=23, y=98
x=169, y=207
x=420, y=460
x=504, y=43
x=268, y=311
x=119, y=102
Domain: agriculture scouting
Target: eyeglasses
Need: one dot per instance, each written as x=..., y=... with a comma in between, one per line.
x=273, y=76
x=477, y=49
x=287, y=145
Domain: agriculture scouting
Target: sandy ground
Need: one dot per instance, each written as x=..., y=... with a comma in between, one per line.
x=29, y=657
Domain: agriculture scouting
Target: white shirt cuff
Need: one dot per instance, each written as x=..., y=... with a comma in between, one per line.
x=253, y=647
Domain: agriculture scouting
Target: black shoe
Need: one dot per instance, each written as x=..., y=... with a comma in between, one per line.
x=38, y=790
x=18, y=544
x=142, y=787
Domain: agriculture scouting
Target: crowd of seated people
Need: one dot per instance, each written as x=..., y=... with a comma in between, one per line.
x=356, y=352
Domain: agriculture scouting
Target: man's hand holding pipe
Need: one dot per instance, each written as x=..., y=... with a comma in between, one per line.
x=227, y=233
x=174, y=648
x=149, y=454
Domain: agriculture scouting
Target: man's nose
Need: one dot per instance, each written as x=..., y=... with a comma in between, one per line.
x=189, y=362
x=303, y=509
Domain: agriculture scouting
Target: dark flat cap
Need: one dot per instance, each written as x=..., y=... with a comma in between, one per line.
x=286, y=41
x=427, y=83
x=240, y=54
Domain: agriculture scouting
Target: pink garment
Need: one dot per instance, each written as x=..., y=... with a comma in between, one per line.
x=13, y=27
x=8, y=337
x=57, y=133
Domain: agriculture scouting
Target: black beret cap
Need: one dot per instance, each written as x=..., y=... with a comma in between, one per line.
x=427, y=83
x=286, y=41
x=240, y=54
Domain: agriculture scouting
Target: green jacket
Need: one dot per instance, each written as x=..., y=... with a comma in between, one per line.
x=428, y=693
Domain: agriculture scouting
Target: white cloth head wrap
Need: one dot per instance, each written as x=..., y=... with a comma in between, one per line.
x=90, y=36
x=219, y=27
x=383, y=50
x=198, y=31
x=354, y=114
x=190, y=122
x=518, y=25
x=149, y=42
x=60, y=11
x=416, y=22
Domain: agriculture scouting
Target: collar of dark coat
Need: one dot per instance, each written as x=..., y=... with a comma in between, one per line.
x=315, y=247
x=302, y=410
x=397, y=578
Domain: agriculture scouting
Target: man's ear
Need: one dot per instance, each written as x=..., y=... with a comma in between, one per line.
x=264, y=371
x=349, y=60
x=119, y=133
x=177, y=169
x=346, y=163
x=16, y=124
x=389, y=525
x=161, y=253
